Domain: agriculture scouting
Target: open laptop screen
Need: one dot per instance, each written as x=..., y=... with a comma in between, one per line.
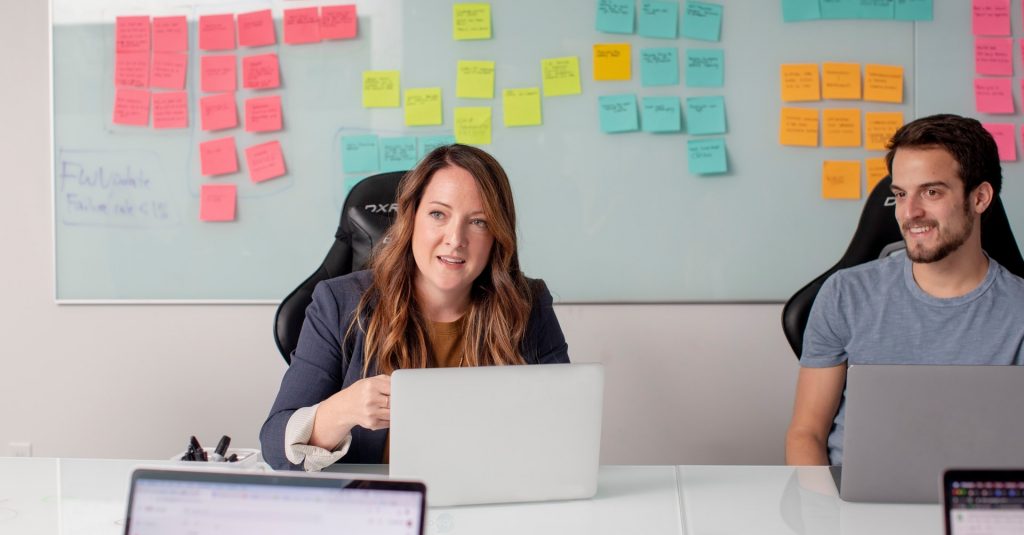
x=165, y=502
x=984, y=502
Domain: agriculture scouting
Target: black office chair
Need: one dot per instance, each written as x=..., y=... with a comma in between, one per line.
x=878, y=235
x=368, y=212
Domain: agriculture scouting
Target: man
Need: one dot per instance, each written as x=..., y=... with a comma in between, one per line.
x=943, y=302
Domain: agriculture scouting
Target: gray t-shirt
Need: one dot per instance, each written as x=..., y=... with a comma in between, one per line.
x=875, y=313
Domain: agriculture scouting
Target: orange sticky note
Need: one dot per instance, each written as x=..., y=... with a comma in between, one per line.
x=217, y=202
x=170, y=110
x=993, y=95
x=879, y=128
x=883, y=83
x=168, y=70
x=612, y=61
x=261, y=72
x=876, y=170
x=217, y=157
x=264, y=161
x=798, y=127
x=1005, y=140
x=263, y=114
x=301, y=25
x=800, y=82
x=218, y=112
x=840, y=127
x=256, y=28
x=170, y=34
x=131, y=34
x=338, y=22
x=840, y=81
x=131, y=69
x=217, y=32
x=131, y=107
x=217, y=73
x=840, y=179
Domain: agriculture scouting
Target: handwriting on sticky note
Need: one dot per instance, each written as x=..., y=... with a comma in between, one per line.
x=800, y=82
x=170, y=110
x=256, y=28
x=218, y=112
x=301, y=25
x=883, y=83
x=798, y=127
x=218, y=157
x=423, y=106
x=217, y=32
x=705, y=68
x=217, y=202
x=217, y=73
x=429, y=143
x=879, y=128
x=131, y=69
x=840, y=179
x=131, y=34
x=702, y=21
x=397, y=154
x=263, y=114
x=265, y=161
x=875, y=170
x=260, y=72
x=471, y=21
x=380, y=89
x=168, y=71
x=339, y=22
x=661, y=114
x=131, y=107
x=840, y=81
x=521, y=107
x=993, y=56
x=618, y=113
x=359, y=153
x=840, y=127
x=615, y=16
x=612, y=61
x=473, y=125
x=1005, y=140
x=474, y=79
x=705, y=115
x=170, y=34
x=990, y=17
x=659, y=66
x=561, y=76
x=707, y=156
x=993, y=95
x=659, y=19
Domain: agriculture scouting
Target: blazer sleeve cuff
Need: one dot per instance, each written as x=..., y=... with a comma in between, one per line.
x=296, y=442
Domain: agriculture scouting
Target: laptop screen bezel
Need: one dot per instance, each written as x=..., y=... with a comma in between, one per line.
x=961, y=474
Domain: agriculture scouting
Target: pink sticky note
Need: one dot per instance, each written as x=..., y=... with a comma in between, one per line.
x=218, y=73
x=993, y=56
x=263, y=114
x=170, y=34
x=131, y=69
x=338, y=22
x=256, y=28
x=990, y=17
x=265, y=161
x=217, y=32
x=1004, y=136
x=168, y=70
x=217, y=112
x=301, y=25
x=170, y=110
x=260, y=72
x=217, y=157
x=131, y=107
x=131, y=34
x=217, y=202
x=993, y=95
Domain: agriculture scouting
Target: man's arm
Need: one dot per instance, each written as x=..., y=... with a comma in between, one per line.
x=818, y=392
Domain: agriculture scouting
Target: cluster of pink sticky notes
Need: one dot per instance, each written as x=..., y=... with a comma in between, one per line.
x=217, y=74
x=218, y=157
x=993, y=95
x=170, y=110
x=263, y=114
x=261, y=72
x=993, y=56
x=1004, y=136
x=990, y=17
x=131, y=107
x=265, y=161
x=256, y=28
x=312, y=25
x=150, y=54
x=217, y=112
x=217, y=202
x=217, y=32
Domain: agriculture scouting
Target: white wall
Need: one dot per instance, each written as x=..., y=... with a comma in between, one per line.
x=689, y=384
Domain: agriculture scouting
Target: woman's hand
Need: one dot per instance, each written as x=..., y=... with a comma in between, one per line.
x=366, y=403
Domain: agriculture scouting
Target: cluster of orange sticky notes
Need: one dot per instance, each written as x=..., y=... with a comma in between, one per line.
x=612, y=62
x=150, y=53
x=840, y=179
x=798, y=127
x=842, y=81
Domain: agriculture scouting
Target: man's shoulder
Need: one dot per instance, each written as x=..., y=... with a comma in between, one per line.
x=873, y=275
x=1011, y=284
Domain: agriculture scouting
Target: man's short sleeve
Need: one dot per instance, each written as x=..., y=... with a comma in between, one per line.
x=827, y=333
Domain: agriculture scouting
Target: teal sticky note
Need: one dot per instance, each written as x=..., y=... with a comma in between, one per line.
x=429, y=143
x=618, y=113
x=913, y=10
x=707, y=156
x=705, y=68
x=615, y=16
x=359, y=153
x=397, y=154
x=876, y=9
x=659, y=66
x=659, y=19
x=702, y=21
x=705, y=115
x=840, y=9
x=797, y=10
x=661, y=114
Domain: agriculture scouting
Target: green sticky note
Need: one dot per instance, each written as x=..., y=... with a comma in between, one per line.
x=661, y=114
x=615, y=16
x=659, y=19
x=707, y=156
x=618, y=113
x=471, y=21
x=705, y=68
x=429, y=143
x=381, y=89
x=560, y=76
x=521, y=107
x=797, y=10
x=475, y=79
x=359, y=153
x=659, y=66
x=840, y=9
x=398, y=154
x=705, y=115
x=702, y=21
x=876, y=9
x=913, y=10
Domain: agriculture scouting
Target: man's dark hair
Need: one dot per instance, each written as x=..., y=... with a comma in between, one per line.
x=963, y=138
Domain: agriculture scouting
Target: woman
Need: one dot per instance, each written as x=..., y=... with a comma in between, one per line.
x=443, y=290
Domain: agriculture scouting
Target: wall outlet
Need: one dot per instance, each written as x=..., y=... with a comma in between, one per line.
x=20, y=449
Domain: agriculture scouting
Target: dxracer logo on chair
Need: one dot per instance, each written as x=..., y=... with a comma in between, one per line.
x=381, y=208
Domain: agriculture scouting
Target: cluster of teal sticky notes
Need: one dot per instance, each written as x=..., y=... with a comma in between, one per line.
x=840, y=9
x=659, y=19
x=398, y=154
x=661, y=114
x=797, y=10
x=705, y=67
x=659, y=66
x=359, y=153
x=913, y=10
x=705, y=115
x=618, y=113
x=429, y=143
x=615, y=16
x=702, y=21
x=707, y=156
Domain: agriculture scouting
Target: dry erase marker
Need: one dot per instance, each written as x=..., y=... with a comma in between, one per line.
x=222, y=448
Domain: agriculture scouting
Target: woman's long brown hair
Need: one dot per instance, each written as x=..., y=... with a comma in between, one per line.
x=499, y=302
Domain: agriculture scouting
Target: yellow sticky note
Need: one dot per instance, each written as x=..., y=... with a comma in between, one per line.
x=471, y=21
x=380, y=89
x=473, y=125
x=840, y=179
x=521, y=107
x=612, y=61
x=561, y=76
x=798, y=126
x=840, y=128
x=879, y=128
x=840, y=81
x=475, y=79
x=800, y=82
x=883, y=83
x=423, y=106
x=876, y=170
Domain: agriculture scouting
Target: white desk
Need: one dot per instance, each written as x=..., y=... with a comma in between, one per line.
x=87, y=497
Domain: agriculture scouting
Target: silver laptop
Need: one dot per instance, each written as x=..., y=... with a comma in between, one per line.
x=500, y=433
x=905, y=425
x=983, y=502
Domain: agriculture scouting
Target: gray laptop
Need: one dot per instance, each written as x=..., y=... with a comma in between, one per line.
x=905, y=425
x=500, y=433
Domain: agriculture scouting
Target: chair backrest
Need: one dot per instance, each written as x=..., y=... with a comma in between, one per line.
x=368, y=211
x=878, y=231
